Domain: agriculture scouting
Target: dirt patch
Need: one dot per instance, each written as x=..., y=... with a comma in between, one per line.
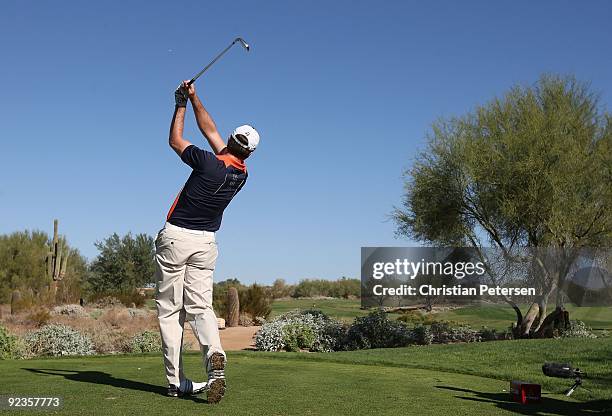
x=233, y=339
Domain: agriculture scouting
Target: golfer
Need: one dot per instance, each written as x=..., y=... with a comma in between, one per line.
x=185, y=249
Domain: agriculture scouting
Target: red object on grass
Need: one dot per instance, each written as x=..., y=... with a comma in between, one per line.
x=525, y=392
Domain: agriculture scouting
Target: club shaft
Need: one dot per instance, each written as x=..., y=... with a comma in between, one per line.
x=211, y=63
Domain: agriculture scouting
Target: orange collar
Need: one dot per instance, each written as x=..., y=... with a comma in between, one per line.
x=231, y=160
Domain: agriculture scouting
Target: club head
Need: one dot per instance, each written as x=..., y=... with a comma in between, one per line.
x=243, y=43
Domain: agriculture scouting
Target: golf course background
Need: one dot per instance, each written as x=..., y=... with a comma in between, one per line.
x=470, y=379
x=494, y=316
x=460, y=378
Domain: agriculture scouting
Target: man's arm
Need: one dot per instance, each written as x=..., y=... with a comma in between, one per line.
x=205, y=122
x=176, y=140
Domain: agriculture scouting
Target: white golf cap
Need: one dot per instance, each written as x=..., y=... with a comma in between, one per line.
x=250, y=134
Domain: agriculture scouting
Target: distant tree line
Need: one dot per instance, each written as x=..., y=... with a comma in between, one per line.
x=308, y=288
x=124, y=264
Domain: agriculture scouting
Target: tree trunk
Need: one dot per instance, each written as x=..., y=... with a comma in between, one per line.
x=519, y=317
x=557, y=319
x=532, y=315
x=543, y=303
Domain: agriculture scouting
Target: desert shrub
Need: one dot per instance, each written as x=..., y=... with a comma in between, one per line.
x=146, y=341
x=112, y=299
x=298, y=336
x=259, y=320
x=10, y=345
x=115, y=317
x=487, y=334
x=132, y=299
x=39, y=317
x=245, y=320
x=577, y=329
x=73, y=310
x=138, y=313
x=105, y=301
x=57, y=340
x=416, y=318
x=280, y=289
x=312, y=330
x=109, y=341
x=422, y=335
x=411, y=317
x=270, y=337
x=445, y=332
x=255, y=301
x=95, y=313
x=377, y=331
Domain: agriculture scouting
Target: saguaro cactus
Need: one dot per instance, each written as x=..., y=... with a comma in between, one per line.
x=57, y=257
x=15, y=301
x=233, y=307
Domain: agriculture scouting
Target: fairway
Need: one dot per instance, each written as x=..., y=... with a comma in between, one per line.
x=405, y=381
x=497, y=316
x=345, y=309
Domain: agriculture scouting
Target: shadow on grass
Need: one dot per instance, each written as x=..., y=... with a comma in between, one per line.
x=547, y=405
x=99, y=377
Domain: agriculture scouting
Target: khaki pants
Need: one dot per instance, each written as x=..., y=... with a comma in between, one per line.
x=185, y=261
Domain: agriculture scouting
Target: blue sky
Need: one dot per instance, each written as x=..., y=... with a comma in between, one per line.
x=341, y=92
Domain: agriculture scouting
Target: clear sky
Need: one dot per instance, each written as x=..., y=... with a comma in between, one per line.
x=341, y=92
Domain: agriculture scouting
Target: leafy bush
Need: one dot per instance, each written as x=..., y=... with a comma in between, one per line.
x=57, y=340
x=10, y=345
x=416, y=317
x=245, y=320
x=105, y=301
x=39, y=317
x=69, y=310
x=109, y=341
x=377, y=331
x=255, y=301
x=132, y=299
x=422, y=335
x=294, y=330
x=297, y=336
x=146, y=341
x=95, y=313
x=444, y=333
x=487, y=334
x=270, y=336
x=577, y=329
x=259, y=320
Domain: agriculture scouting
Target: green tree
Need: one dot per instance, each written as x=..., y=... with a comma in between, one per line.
x=527, y=171
x=22, y=266
x=123, y=264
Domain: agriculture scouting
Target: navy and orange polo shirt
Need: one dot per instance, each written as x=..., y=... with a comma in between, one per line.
x=214, y=181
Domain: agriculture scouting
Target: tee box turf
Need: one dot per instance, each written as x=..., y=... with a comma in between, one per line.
x=525, y=392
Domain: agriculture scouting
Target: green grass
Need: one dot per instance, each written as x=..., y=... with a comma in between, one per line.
x=346, y=309
x=492, y=316
x=501, y=316
x=461, y=379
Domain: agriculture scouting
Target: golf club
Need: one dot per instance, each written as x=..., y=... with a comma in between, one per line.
x=239, y=40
